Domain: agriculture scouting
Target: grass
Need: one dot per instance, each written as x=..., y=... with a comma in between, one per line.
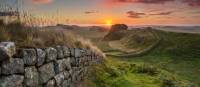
x=32, y=37
x=176, y=61
x=138, y=41
x=118, y=73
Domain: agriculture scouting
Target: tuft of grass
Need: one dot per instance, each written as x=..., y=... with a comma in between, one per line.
x=33, y=37
x=148, y=69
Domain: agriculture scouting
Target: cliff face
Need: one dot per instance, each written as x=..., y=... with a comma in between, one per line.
x=58, y=66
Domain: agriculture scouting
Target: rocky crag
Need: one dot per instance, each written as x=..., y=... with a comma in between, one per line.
x=58, y=66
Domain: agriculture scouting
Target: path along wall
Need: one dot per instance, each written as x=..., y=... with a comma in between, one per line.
x=58, y=66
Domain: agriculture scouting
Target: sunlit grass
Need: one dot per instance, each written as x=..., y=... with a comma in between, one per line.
x=176, y=58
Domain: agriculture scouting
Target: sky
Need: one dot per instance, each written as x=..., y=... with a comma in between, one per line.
x=132, y=12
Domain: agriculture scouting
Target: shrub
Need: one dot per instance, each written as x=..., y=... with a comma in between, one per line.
x=1, y=22
x=171, y=81
x=166, y=82
x=148, y=69
x=4, y=35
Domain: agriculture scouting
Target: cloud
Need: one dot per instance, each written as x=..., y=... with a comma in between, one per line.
x=196, y=12
x=90, y=12
x=153, y=1
x=155, y=10
x=117, y=3
x=193, y=3
x=163, y=13
x=42, y=1
x=133, y=14
x=141, y=1
x=120, y=3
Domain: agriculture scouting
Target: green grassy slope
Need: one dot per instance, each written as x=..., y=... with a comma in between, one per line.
x=138, y=39
x=177, y=59
x=133, y=39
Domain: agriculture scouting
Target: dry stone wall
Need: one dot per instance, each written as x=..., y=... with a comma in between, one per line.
x=58, y=66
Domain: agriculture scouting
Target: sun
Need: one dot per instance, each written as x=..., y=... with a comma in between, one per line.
x=109, y=22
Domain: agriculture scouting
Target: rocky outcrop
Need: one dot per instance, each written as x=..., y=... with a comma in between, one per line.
x=58, y=66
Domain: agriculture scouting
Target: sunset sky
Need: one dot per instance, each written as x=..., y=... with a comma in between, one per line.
x=136, y=12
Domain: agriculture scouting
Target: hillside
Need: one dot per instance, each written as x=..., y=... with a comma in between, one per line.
x=174, y=61
x=133, y=40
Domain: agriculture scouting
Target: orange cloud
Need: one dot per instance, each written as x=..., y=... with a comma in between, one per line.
x=118, y=3
x=139, y=1
x=193, y=3
x=41, y=1
x=163, y=13
x=133, y=14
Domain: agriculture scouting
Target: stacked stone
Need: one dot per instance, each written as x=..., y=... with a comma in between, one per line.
x=60, y=66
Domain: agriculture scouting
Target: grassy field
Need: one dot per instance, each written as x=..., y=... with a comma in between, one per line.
x=173, y=63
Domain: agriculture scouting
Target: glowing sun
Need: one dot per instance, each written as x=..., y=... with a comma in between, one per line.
x=109, y=22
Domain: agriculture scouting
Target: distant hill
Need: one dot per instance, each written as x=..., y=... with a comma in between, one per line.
x=130, y=39
x=116, y=32
x=183, y=29
x=70, y=27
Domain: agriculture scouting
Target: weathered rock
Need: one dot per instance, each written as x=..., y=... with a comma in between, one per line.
x=59, y=79
x=13, y=66
x=60, y=65
x=7, y=50
x=73, y=61
x=70, y=71
x=46, y=72
x=83, y=52
x=89, y=52
x=51, y=72
x=66, y=51
x=51, y=83
x=66, y=74
x=40, y=57
x=72, y=84
x=70, y=80
x=74, y=77
x=77, y=53
x=60, y=52
x=68, y=63
x=51, y=54
x=72, y=52
x=65, y=83
x=31, y=77
x=11, y=81
x=29, y=56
